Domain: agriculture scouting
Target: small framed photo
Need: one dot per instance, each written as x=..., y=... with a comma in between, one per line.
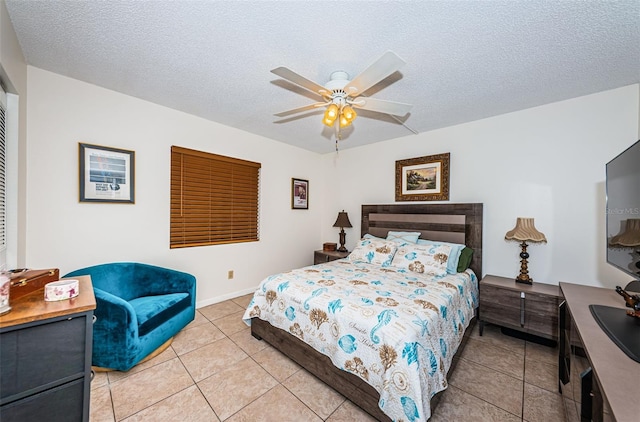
x=423, y=178
x=299, y=194
x=106, y=174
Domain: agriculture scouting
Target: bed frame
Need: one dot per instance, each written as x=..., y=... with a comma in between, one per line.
x=458, y=223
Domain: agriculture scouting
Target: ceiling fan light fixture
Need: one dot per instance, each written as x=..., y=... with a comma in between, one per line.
x=329, y=122
x=331, y=112
x=344, y=122
x=349, y=113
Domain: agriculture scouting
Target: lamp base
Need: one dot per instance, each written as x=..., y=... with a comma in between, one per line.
x=520, y=279
x=343, y=240
x=523, y=277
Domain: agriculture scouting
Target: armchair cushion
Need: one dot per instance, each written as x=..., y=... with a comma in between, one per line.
x=138, y=308
x=154, y=310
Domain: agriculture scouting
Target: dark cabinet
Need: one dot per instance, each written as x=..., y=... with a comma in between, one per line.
x=45, y=360
x=531, y=309
x=320, y=257
x=578, y=383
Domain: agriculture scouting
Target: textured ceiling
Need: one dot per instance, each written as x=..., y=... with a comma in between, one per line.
x=465, y=60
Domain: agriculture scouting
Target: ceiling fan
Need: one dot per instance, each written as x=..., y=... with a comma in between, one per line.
x=341, y=95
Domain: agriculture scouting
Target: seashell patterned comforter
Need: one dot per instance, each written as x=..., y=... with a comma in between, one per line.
x=396, y=329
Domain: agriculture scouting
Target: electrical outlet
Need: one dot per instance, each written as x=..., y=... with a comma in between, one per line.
x=230, y=274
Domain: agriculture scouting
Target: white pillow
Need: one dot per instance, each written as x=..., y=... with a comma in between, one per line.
x=424, y=259
x=401, y=237
x=454, y=255
x=373, y=251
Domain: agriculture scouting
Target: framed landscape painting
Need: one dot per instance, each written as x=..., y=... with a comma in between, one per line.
x=423, y=178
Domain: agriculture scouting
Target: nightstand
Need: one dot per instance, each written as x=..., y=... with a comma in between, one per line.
x=531, y=309
x=320, y=257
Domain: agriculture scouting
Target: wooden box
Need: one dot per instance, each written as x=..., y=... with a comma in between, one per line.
x=329, y=246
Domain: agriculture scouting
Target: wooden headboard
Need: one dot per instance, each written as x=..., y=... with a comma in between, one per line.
x=456, y=223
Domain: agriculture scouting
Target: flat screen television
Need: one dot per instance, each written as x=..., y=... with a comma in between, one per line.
x=623, y=211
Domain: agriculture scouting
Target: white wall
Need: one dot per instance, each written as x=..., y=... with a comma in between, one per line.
x=64, y=233
x=546, y=162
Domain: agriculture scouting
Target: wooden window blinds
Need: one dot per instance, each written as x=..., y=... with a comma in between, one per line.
x=214, y=199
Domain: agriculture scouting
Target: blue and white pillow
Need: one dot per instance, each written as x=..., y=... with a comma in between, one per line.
x=454, y=256
x=377, y=252
x=423, y=259
x=402, y=237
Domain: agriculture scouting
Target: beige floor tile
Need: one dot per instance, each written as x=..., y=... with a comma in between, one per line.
x=275, y=363
x=101, y=409
x=198, y=336
x=247, y=342
x=165, y=356
x=494, y=357
x=571, y=410
x=198, y=320
x=492, y=335
x=231, y=324
x=541, y=405
x=278, y=404
x=148, y=387
x=99, y=379
x=235, y=387
x=349, y=412
x=211, y=358
x=243, y=300
x=541, y=374
x=456, y=405
x=489, y=385
x=542, y=353
x=186, y=405
x=317, y=395
x=219, y=310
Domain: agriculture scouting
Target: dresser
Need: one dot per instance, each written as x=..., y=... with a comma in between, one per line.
x=45, y=357
x=531, y=309
x=596, y=378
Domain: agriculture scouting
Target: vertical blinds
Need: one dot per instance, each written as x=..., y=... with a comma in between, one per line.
x=214, y=199
x=3, y=175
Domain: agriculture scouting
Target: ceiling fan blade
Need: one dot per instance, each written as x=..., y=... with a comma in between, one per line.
x=300, y=109
x=297, y=79
x=382, y=106
x=380, y=69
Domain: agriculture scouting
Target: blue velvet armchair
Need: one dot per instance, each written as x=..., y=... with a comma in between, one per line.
x=139, y=307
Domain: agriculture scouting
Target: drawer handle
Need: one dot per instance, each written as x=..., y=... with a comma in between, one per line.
x=522, y=298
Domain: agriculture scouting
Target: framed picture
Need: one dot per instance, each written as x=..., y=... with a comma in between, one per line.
x=423, y=178
x=106, y=174
x=299, y=194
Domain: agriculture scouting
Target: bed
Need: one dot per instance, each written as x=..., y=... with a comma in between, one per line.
x=381, y=334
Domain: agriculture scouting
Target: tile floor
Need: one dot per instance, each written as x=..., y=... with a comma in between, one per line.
x=215, y=371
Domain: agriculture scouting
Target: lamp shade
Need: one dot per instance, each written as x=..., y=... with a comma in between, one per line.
x=525, y=231
x=630, y=237
x=342, y=220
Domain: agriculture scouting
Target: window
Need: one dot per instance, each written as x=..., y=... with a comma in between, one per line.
x=214, y=199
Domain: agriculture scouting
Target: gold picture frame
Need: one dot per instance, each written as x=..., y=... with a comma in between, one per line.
x=423, y=178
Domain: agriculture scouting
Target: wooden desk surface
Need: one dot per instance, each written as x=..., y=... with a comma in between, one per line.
x=33, y=307
x=617, y=372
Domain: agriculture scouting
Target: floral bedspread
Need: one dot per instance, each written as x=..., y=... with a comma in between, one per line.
x=395, y=329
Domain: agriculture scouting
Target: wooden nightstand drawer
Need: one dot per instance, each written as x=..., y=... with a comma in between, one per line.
x=531, y=309
x=320, y=257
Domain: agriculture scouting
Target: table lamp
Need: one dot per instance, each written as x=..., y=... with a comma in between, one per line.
x=342, y=221
x=524, y=232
